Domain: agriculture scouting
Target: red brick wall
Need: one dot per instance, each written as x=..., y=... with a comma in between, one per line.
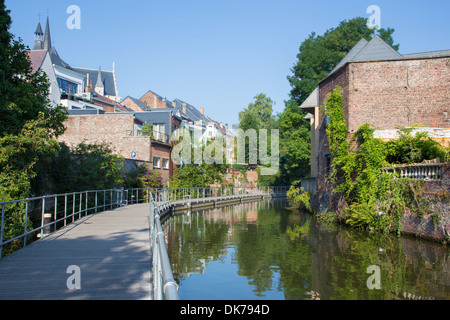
x=113, y=129
x=388, y=94
x=152, y=101
x=131, y=104
x=162, y=151
x=399, y=93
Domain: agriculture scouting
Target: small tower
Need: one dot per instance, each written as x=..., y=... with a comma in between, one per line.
x=38, y=37
x=99, y=87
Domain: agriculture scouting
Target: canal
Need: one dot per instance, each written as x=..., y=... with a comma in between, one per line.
x=265, y=250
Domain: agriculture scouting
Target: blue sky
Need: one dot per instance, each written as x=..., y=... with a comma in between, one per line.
x=214, y=54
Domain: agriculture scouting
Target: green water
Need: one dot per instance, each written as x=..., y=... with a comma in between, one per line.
x=263, y=250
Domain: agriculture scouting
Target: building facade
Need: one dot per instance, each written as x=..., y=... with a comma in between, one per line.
x=388, y=90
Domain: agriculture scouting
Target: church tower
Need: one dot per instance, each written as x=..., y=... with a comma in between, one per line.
x=38, y=38
x=99, y=87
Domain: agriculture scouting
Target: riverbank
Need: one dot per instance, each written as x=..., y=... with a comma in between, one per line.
x=428, y=219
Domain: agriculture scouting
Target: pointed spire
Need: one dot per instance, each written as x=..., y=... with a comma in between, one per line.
x=99, y=87
x=38, y=37
x=47, y=37
x=99, y=83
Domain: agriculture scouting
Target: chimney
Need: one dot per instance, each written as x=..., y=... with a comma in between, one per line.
x=221, y=125
x=86, y=87
x=184, y=108
x=226, y=126
x=202, y=111
x=174, y=104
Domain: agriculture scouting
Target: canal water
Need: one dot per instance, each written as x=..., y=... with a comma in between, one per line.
x=265, y=250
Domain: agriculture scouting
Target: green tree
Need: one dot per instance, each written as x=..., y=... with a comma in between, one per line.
x=295, y=141
x=258, y=114
x=320, y=54
x=204, y=174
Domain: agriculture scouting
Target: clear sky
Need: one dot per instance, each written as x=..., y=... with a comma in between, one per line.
x=214, y=54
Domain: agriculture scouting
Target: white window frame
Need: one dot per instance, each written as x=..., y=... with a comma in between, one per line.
x=163, y=166
x=158, y=166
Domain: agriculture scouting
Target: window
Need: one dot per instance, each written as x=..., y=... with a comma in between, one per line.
x=165, y=164
x=66, y=86
x=159, y=131
x=156, y=163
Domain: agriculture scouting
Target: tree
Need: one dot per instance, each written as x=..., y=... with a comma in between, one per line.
x=258, y=114
x=204, y=174
x=295, y=140
x=28, y=126
x=320, y=54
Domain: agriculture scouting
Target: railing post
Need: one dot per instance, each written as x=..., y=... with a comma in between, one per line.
x=1, y=230
x=26, y=225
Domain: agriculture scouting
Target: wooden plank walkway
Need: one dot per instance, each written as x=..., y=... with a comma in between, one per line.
x=112, y=250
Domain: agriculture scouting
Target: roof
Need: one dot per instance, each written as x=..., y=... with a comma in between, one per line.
x=191, y=112
x=77, y=112
x=374, y=50
x=37, y=58
x=47, y=37
x=431, y=54
x=107, y=77
x=167, y=102
x=39, y=30
x=140, y=104
x=312, y=101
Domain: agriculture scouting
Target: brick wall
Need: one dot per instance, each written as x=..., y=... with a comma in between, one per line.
x=113, y=129
x=162, y=151
x=403, y=93
x=131, y=104
x=388, y=94
x=151, y=100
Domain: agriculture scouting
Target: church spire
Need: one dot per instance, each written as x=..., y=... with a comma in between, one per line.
x=99, y=87
x=38, y=37
x=47, y=37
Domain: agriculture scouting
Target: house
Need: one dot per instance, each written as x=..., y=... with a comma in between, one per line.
x=67, y=84
x=385, y=88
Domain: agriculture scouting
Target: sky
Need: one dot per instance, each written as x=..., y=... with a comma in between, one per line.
x=214, y=54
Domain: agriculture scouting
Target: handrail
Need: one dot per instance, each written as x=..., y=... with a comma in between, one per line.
x=55, y=211
x=428, y=171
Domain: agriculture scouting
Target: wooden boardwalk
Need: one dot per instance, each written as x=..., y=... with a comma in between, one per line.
x=112, y=250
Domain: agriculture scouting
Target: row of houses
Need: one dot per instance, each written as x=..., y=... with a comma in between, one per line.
x=97, y=114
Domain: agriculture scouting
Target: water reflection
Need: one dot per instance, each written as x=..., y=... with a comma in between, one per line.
x=263, y=250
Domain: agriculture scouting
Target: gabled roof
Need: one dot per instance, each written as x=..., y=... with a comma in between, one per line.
x=349, y=57
x=377, y=49
x=167, y=102
x=37, y=58
x=140, y=104
x=374, y=50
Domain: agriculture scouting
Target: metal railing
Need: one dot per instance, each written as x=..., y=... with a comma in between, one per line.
x=27, y=220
